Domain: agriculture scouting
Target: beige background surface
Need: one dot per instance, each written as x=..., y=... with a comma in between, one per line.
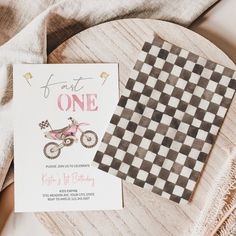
x=219, y=26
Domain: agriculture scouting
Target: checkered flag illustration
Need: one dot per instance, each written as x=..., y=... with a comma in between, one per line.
x=167, y=120
x=44, y=124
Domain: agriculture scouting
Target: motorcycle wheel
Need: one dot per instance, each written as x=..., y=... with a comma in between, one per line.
x=49, y=152
x=89, y=139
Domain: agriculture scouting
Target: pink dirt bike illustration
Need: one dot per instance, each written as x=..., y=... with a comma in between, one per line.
x=67, y=135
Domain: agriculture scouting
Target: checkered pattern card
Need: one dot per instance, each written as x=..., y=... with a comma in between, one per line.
x=167, y=120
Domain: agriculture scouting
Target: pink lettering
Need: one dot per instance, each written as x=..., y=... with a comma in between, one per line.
x=84, y=102
x=92, y=102
x=77, y=100
x=67, y=102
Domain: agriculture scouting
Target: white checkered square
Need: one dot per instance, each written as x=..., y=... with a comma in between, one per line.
x=142, y=175
x=137, y=162
x=146, y=68
x=154, y=50
x=138, y=87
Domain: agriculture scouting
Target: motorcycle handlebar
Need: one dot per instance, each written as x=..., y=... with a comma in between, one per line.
x=74, y=121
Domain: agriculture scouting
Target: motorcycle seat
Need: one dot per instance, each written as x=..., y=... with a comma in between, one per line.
x=59, y=131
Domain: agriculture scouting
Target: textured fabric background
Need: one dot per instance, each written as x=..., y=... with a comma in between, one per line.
x=29, y=30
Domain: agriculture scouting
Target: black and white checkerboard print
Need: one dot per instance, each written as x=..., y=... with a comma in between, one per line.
x=166, y=120
x=44, y=124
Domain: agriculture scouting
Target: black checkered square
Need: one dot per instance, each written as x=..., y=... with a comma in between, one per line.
x=167, y=120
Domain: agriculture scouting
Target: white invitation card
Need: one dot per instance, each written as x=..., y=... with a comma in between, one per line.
x=61, y=113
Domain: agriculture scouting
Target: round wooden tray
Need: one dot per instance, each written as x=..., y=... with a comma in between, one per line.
x=144, y=213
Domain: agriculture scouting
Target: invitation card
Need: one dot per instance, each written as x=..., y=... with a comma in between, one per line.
x=60, y=115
